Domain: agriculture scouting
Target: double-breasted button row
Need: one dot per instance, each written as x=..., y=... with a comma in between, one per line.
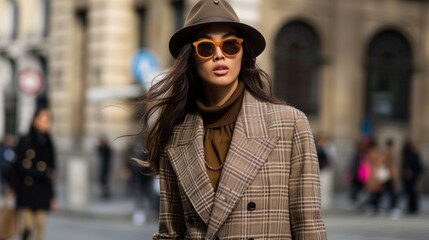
x=27, y=164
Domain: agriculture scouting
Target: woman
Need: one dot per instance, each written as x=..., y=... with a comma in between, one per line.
x=378, y=175
x=391, y=184
x=34, y=172
x=233, y=162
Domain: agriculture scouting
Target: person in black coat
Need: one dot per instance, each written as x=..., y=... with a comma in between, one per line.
x=7, y=158
x=34, y=172
x=412, y=169
x=105, y=156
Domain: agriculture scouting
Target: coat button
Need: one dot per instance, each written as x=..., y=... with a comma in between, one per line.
x=28, y=180
x=30, y=153
x=216, y=238
x=41, y=166
x=27, y=163
x=251, y=206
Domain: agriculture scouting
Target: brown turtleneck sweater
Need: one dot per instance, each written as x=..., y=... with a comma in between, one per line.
x=219, y=124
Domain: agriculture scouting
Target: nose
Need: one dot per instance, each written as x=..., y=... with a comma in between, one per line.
x=218, y=55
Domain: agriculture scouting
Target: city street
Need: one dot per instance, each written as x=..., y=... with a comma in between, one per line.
x=343, y=226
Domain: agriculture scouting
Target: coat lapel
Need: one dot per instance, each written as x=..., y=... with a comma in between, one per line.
x=248, y=152
x=186, y=152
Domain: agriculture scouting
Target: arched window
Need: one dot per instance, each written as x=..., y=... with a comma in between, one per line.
x=388, y=70
x=297, y=59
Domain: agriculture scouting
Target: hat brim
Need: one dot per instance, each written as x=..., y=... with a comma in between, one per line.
x=252, y=37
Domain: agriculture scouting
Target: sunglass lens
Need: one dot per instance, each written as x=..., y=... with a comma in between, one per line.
x=205, y=49
x=231, y=47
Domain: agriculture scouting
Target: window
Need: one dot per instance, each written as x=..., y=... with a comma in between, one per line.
x=297, y=59
x=42, y=20
x=141, y=26
x=388, y=74
x=81, y=47
x=178, y=9
x=10, y=20
x=43, y=96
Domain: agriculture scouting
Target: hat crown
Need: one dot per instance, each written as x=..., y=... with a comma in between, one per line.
x=209, y=10
x=206, y=12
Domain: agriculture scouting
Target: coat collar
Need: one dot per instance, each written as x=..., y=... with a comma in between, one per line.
x=248, y=152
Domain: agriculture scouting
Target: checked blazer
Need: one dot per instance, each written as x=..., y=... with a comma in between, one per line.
x=269, y=187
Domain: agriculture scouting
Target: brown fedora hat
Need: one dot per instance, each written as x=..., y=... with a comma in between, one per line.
x=206, y=12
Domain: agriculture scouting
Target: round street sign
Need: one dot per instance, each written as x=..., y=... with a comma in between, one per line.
x=30, y=81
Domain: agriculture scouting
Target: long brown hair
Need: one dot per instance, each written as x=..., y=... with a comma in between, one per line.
x=168, y=101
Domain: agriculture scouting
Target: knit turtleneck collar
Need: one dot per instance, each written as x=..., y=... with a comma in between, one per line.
x=218, y=116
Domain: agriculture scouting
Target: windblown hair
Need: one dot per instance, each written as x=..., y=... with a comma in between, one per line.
x=168, y=101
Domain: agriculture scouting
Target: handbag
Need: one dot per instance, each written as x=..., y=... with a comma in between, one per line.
x=8, y=221
x=364, y=170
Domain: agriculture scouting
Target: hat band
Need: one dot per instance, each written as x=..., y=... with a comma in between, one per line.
x=212, y=20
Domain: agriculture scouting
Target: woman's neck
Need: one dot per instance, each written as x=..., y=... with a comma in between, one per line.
x=218, y=95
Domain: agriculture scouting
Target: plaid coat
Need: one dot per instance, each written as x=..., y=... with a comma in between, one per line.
x=269, y=187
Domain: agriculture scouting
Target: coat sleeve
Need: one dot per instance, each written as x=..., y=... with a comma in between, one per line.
x=52, y=173
x=304, y=198
x=171, y=219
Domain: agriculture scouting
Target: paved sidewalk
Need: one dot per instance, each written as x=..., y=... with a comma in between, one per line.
x=118, y=207
x=123, y=207
x=342, y=205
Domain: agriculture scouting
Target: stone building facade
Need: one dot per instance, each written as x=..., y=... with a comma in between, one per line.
x=354, y=67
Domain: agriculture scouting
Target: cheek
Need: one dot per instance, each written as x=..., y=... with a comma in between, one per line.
x=202, y=69
x=237, y=63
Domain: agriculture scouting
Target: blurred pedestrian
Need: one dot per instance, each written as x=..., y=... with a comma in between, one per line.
x=141, y=184
x=8, y=223
x=391, y=184
x=379, y=175
x=104, y=152
x=234, y=162
x=325, y=154
x=358, y=172
x=411, y=170
x=7, y=158
x=322, y=154
x=34, y=174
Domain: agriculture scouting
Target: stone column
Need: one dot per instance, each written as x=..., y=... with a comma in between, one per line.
x=346, y=87
x=421, y=131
